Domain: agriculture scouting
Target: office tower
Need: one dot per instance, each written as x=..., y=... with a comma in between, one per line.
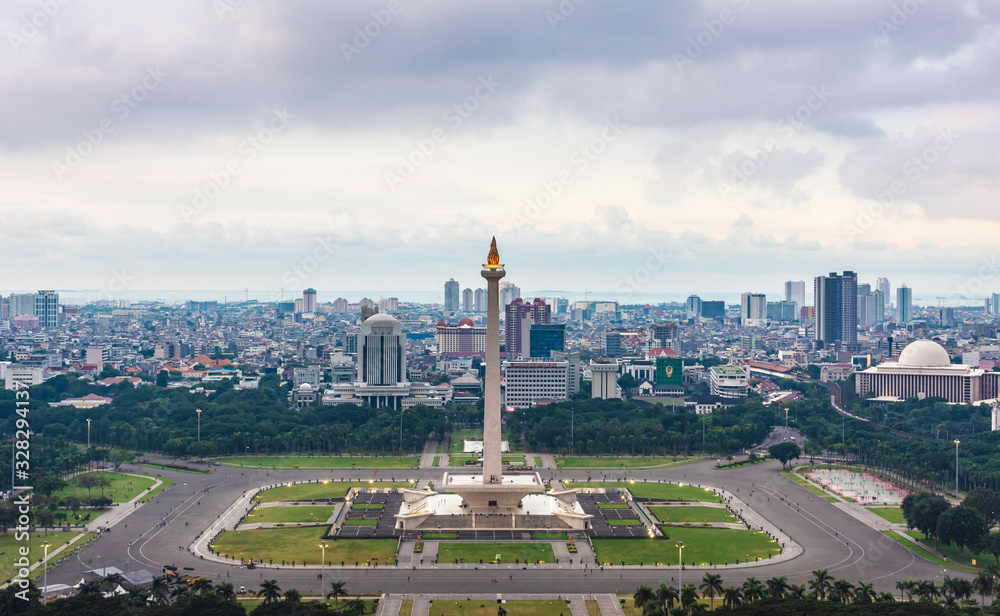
x=664, y=336
x=994, y=304
x=753, y=310
x=946, y=316
x=904, y=304
x=693, y=305
x=309, y=300
x=340, y=305
x=604, y=379
x=4, y=308
x=879, y=300
x=613, y=344
x=451, y=295
x=795, y=291
x=517, y=324
x=783, y=311
x=866, y=306
x=882, y=284
x=47, y=308
x=479, y=301
x=508, y=293
x=545, y=338
x=388, y=304
x=572, y=358
x=836, y=308
x=22, y=303
x=713, y=309
x=467, y=300
x=381, y=351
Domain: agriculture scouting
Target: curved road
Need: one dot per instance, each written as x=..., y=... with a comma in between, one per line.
x=831, y=538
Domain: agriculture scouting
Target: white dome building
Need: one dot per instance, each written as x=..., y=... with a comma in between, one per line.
x=923, y=370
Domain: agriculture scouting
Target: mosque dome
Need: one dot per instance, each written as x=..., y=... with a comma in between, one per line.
x=924, y=354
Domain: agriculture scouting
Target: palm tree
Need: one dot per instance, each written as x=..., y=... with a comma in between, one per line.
x=963, y=589
x=160, y=590
x=202, y=586
x=293, y=596
x=907, y=586
x=337, y=590
x=270, y=590
x=841, y=592
x=179, y=591
x=111, y=581
x=355, y=608
x=711, y=586
x=752, y=590
x=796, y=591
x=927, y=590
x=864, y=593
x=984, y=584
x=821, y=583
x=667, y=595
x=226, y=591
x=777, y=587
x=92, y=587
x=138, y=597
x=643, y=595
x=885, y=597
x=689, y=595
x=731, y=597
x=949, y=599
x=653, y=608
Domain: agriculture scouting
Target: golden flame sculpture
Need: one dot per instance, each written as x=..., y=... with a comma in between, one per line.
x=493, y=259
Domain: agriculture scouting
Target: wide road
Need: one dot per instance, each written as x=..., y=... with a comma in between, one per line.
x=832, y=539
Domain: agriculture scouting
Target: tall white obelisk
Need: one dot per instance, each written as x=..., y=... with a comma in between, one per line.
x=492, y=460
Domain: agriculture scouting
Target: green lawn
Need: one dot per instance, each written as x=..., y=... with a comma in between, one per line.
x=702, y=546
x=489, y=608
x=695, y=515
x=165, y=482
x=809, y=486
x=654, y=490
x=460, y=460
x=334, y=489
x=332, y=462
x=360, y=522
x=920, y=551
x=487, y=552
x=892, y=514
x=10, y=547
x=951, y=552
x=599, y=462
x=302, y=545
x=437, y=448
x=437, y=461
x=122, y=488
x=550, y=536
x=624, y=523
x=439, y=536
x=538, y=462
x=274, y=515
x=613, y=506
x=367, y=506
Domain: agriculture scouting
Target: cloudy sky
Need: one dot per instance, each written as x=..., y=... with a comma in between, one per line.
x=618, y=147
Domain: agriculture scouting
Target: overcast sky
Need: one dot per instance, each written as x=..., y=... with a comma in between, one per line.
x=611, y=146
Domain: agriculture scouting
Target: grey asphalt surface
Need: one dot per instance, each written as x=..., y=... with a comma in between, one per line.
x=832, y=539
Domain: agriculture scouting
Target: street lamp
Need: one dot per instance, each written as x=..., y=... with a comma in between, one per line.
x=45, y=566
x=956, y=467
x=680, y=566
x=322, y=584
x=199, y=424
x=88, y=442
x=786, y=418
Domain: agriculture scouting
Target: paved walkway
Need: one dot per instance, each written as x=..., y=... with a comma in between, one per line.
x=861, y=513
x=427, y=457
x=391, y=604
x=609, y=605
x=118, y=511
x=548, y=460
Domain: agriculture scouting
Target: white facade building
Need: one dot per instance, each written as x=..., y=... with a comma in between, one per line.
x=604, y=378
x=729, y=381
x=531, y=380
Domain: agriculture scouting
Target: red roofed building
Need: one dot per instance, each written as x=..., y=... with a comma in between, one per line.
x=465, y=340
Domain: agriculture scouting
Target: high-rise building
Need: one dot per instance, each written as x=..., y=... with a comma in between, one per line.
x=946, y=316
x=309, y=300
x=467, y=300
x=879, y=300
x=713, y=309
x=866, y=306
x=451, y=295
x=508, y=293
x=47, y=308
x=664, y=336
x=479, y=301
x=517, y=324
x=753, y=310
x=22, y=303
x=795, y=291
x=693, y=305
x=547, y=337
x=341, y=305
x=783, y=310
x=837, y=308
x=466, y=340
x=994, y=304
x=381, y=351
x=613, y=344
x=604, y=378
x=388, y=304
x=904, y=304
x=882, y=284
x=528, y=382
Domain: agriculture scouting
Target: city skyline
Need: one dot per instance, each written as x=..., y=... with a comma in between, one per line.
x=603, y=136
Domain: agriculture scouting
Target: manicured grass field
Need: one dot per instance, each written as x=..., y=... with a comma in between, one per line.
x=368, y=506
x=538, y=462
x=334, y=489
x=437, y=461
x=274, y=515
x=331, y=462
x=809, y=486
x=702, y=546
x=892, y=514
x=617, y=463
x=613, y=506
x=694, y=515
x=487, y=552
x=488, y=608
x=439, y=536
x=951, y=552
x=302, y=545
x=122, y=488
x=654, y=490
x=550, y=536
x=10, y=546
x=360, y=522
x=460, y=460
x=624, y=523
